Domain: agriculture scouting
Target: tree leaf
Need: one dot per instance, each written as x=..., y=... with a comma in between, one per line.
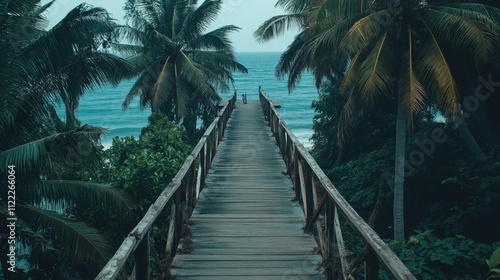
x=495, y=259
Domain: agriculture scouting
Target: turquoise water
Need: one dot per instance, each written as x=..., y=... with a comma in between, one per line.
x=102, y=107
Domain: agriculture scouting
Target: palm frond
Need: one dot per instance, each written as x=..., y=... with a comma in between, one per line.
x=199, y=20
x=475, y=15
x=294, y=6
x=217, y=39
x=288, y=57
x=377, y=72
x=489, y=11
x=29, y=156
x=88, y=245
x=143, y=85
x=127, y=49
x=79, y=195
x=413, y=96
x=332, y=35
x=77, y=31
x=351, y=108
x=164, y=87
x=472, y=36
x=365, y=31
x=132, y=35
x=277, y=25
x=435, y=73
x=88, y=71
x=36, y=154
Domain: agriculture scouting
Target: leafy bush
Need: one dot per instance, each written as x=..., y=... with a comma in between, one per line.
x=430, y=257
x=142, y=169
x=146, y=166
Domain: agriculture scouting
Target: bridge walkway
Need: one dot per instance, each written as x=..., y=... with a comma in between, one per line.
x=246, y=224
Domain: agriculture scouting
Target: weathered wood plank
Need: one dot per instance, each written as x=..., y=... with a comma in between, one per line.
x=246, y=215
x=260, y=277
x=340, y=244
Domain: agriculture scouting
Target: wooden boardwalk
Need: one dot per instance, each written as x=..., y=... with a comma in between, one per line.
x=246, y=224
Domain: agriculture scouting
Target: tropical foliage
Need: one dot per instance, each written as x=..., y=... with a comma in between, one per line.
x=399, y=50
x=142, y=168
x=37, y=68
x=182, y=65
x=456, y=257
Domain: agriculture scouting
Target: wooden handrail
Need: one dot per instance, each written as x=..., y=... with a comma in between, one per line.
x=183, y=191
x=308, y=180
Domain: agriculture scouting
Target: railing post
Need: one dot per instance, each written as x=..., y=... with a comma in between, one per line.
x=169, y=249
x=371, y=265
x=142, y=259
x=296, y=177
x=330, y=240
x=319, y=227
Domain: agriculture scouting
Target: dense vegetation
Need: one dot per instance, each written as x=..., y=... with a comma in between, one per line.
x=37, y=68
x=408, y=112
x=75, y=202
x=395, y=76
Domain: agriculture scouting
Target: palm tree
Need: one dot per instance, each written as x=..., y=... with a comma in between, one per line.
x=182, y=67
x=83, y=65
x=401, y=48
x=34, y=66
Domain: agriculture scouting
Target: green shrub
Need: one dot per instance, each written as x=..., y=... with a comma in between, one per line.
x=430, y=257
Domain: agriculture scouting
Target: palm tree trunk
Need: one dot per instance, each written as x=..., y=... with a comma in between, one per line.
x=399, y=177
x=189, y=123
x=71, y=121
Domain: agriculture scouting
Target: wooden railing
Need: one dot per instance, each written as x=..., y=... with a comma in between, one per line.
x=183, y=191
x=321, y=211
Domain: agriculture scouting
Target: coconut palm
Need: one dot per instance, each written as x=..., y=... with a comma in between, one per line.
x=34, y=65
x=401, y=48
x=182, y=66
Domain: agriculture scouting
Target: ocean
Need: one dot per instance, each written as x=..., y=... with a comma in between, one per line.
x=102, y=107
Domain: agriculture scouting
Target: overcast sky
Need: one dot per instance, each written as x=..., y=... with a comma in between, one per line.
x=246, y=14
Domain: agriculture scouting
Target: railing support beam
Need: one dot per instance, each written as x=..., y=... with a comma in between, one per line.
x=141, y=255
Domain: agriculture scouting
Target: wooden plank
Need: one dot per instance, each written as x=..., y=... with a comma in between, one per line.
x=249, y=271
x=319, y=227
x=243, y=264
x=340, y=245
x=246, y=215
x=195, y=257
x=261, y=277
x=303, y=191
x=169, y=250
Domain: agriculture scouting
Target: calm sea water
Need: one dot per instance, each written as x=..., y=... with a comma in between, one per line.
x=102, y=107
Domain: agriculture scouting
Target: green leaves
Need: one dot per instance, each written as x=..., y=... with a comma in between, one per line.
x=430, y=257
x=84, y=243
x=177, y=79
x=494, y=261
x=277, y=25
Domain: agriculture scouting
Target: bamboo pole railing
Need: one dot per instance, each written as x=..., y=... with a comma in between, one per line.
x=183, y=191
x=309, y=180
